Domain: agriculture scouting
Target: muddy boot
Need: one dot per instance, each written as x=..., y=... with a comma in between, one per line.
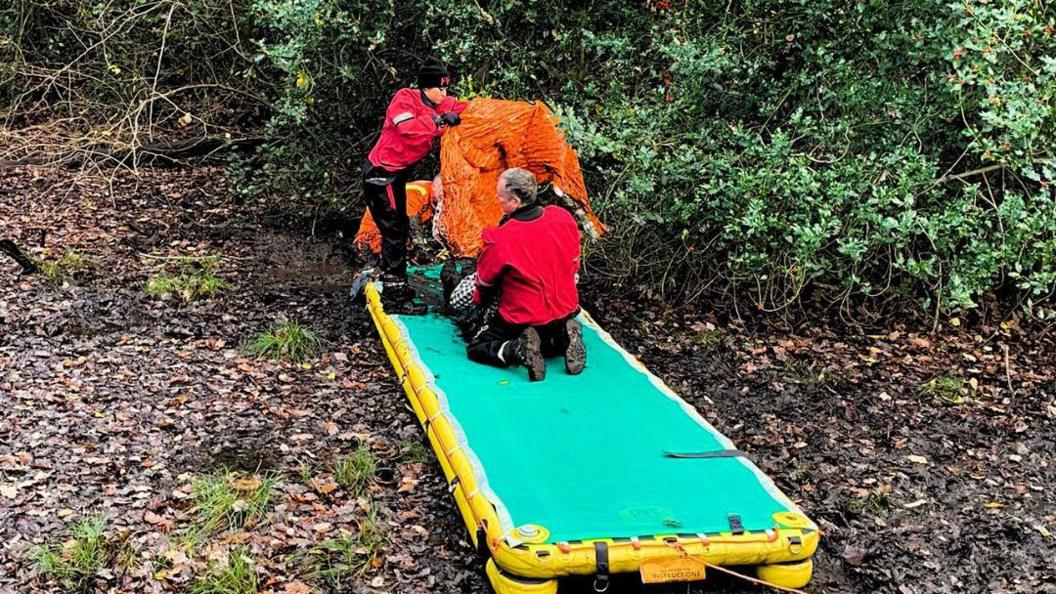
x=449, y=279
x=576, y=353
x=532, y=354
x=399, y=297
x=395, y=288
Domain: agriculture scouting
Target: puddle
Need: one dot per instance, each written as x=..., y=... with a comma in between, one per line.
x=289, y=262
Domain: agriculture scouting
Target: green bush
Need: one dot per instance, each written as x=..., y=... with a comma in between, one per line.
x=774, y=152
x=761, y=150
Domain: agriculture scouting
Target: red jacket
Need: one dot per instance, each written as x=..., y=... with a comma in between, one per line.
x=409, y=129
x=535, y=263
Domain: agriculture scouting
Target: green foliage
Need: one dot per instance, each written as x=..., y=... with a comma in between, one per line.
x=771, y=152
x=1004, y=69
x=236, y=576
x=305, y=473
x=230, y=500
x=286, y=340
x=75, y=562
x=815, y=168
x=187, y=277
x=356, y=472
x=781, y=152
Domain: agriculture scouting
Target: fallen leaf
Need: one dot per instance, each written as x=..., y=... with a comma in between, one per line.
x=917, y=459
x=854, y=555
x=9, y=491
x=323, y=486
x=248, y=483
x=920, y=342
x=297, y=587
x=406, y=485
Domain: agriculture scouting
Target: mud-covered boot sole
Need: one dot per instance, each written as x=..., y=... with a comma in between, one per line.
x=576, y=353
x=533, y=355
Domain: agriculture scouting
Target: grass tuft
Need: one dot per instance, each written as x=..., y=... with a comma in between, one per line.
x=236, y=576
x=287, y=340
x=57, y=272
x=413, y=450
x=339, y=562
x=356, y=472
x=232, y=499
x=75, y=562
x=370, y=535
x=187, y=277
x=949, y=389
x=876, y=503
x=306, y=473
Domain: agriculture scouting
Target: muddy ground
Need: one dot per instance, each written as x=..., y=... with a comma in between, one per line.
x=927, y=458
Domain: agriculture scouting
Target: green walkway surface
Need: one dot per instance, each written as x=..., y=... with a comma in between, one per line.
x=584, y=456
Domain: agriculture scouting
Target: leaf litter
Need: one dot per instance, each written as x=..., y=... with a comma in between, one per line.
x=927, y=459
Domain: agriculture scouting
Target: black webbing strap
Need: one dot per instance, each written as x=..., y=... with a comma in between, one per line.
x=701, y=455
x=601, y=556
x=483, y=550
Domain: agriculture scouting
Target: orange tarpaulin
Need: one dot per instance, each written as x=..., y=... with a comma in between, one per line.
x=496, y=135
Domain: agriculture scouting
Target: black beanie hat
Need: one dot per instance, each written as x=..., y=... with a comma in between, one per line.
x=433, y=73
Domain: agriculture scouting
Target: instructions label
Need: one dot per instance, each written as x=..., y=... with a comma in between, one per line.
x=674, y=569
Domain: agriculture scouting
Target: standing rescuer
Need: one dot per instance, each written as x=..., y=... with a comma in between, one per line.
x=413, y=120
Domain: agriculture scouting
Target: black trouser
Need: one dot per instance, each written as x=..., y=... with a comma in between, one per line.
x=393, y=223
x=485, y=346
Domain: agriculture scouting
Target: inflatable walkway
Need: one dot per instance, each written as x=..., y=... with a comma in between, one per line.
x=597, y=474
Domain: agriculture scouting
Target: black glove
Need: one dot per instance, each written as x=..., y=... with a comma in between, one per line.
x=448, y=118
